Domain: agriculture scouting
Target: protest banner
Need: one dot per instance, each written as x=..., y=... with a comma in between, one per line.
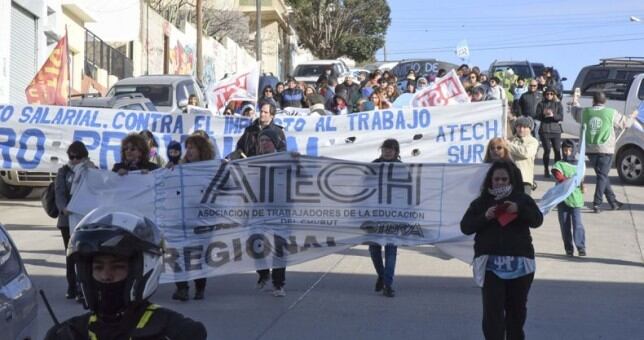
x=241, y=87
x=282, y=209
x=444, y=91
x=35, y=138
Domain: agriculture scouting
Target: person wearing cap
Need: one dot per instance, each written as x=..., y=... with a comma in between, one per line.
x=292, y=96
x=600, y=122
x=118, y=257
x=550, y=114
x=421, y=83
x=270, y=142
x=248, y=144
x=523, y=149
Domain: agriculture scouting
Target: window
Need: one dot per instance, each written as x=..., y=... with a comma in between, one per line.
x=614, y=89
x=160, y=95
x=640, y=93
x=182, y=92
x=134, y=107
x=9, y=260
x=309, y=70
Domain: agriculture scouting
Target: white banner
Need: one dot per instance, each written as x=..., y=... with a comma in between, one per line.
x=35, y=137
x=240, y=87
x=281, y=209
x=444, y=91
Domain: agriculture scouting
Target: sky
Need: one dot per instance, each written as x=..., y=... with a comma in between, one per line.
x=566, y=34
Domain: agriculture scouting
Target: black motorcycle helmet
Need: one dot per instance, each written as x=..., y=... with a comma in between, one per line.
x=109, y=231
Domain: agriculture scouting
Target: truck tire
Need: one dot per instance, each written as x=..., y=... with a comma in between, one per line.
x=630, y=166
x=12, y=191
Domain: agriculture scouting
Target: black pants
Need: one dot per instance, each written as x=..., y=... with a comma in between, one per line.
x=277, y=274
x=200, y=284
x=504, y=306
x=550, y=141
x=71, y=272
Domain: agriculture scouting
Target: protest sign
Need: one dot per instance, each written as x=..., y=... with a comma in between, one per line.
x=35, y=138
x=282, y=209
x=444, y=91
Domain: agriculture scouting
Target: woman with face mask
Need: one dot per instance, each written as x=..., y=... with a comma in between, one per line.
x=504, y=265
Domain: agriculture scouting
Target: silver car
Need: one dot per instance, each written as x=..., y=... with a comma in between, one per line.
x=629, y=153
x=18, y=300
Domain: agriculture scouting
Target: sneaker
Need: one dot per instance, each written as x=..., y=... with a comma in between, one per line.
x=582, y=252
x=379, y=284
x=388, y=291
x=569, y=253
x=199, y=294
x=261, y=283
x=279, y=292
x=596, y=209
x=180, y=294
x=616, y=205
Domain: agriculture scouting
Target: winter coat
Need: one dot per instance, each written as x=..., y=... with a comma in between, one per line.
x=491, y=238
x=63, y=189
x=249, y=141
x=292, y=98
x=550, y=125
x=523, y=151
x=528, y=104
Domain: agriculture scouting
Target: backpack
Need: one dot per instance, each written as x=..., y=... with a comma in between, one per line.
x=48, y=200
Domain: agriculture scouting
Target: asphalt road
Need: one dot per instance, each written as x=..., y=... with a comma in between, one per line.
x=596, y=297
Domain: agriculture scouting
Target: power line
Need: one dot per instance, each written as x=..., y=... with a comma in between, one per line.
x=451, y=49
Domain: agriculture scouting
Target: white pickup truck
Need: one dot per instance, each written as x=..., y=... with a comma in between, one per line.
x=629, y=149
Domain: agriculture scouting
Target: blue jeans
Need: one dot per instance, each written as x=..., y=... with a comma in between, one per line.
x=385, y=272
x=571, y=227
x=601, y=163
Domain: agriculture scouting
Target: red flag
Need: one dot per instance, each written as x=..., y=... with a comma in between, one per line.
x=50, y=86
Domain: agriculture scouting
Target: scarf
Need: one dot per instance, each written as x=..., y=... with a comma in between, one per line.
x=500, y=192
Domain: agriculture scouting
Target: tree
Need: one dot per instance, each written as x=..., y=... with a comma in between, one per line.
x=335, y=28
x=217, y=22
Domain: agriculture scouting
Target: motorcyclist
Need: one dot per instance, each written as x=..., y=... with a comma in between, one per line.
x=118, y=258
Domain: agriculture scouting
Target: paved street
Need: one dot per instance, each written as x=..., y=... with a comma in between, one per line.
x=597, y=297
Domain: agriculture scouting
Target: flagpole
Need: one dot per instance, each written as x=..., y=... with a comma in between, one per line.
x=69, y=81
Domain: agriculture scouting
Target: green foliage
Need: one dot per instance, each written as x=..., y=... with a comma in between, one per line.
x=335, y=28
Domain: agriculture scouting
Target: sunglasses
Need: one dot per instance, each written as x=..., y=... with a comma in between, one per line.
x=73, y=157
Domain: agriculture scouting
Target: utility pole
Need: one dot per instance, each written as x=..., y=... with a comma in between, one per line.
x=258, y=31
x=199, y=39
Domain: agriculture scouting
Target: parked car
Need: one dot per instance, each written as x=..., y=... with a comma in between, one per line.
x=520, y=68
x=169, y=93
x=629, y=148
x=618, y=78
x=123, y=101
x=308, y=72
x=18, y=299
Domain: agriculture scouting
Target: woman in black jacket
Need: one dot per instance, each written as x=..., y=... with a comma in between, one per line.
x=501, y=218
x=550, y=114
x=134, y=156
x=389, y=152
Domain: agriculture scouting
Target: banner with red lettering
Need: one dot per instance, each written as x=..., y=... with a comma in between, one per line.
x=238, y=87
x=50, y=86
x=444, y=91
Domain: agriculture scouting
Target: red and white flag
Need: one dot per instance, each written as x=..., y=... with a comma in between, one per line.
x=50, y=86
x=238, y=87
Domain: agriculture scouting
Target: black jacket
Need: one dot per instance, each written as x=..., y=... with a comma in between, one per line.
x=163, y=324
x=550, y=125
x=528, y=104
x=249, y=143
x=491, y=239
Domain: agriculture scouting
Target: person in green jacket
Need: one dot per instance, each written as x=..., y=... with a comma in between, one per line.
x=600, y=122
x=569, y=210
